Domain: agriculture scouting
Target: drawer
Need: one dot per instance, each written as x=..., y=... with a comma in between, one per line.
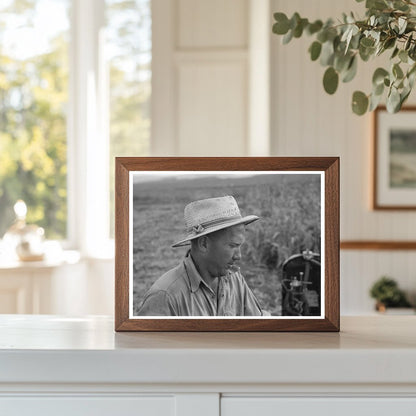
x=273, y=406
x=87, y=406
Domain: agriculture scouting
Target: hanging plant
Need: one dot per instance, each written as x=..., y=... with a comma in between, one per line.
x=388, y=27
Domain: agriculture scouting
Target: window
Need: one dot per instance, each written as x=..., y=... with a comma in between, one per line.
x=75, y=86
x=129, y=46
x=33, y=97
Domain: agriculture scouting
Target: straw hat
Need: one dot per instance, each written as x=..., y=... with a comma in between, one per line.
x=208, y=215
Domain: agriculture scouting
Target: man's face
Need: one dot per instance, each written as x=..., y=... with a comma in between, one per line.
x=224, y=250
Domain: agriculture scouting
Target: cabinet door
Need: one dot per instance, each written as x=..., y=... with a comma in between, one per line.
x=88, y=406
x=273, y=406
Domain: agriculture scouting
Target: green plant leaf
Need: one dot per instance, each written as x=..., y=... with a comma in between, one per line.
x=404, y=95
x=393, y=101
x=315, y=50
x=402, y=22
x=374, y=101
x=378, y=89
x=367, y=42
x=330, y=80
x=359, y=103
x=294, y=20
x=403, y=56
x=288, y=37
x=395, y=52
x=389, y=43
x=327, y=53
x=376, y=4
x=408, y=42
x=397, y=71
x=298, y=30
x=379, y=75
x=314, y=27
x=400, y=5
x=341, y=61
x=281, y=27
x=366, y=53
x=351, y=71
x=412, y=52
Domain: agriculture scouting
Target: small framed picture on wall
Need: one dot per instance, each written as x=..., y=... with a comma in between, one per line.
x=394, y=178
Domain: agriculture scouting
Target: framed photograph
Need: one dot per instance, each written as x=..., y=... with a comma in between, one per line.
x=227, y=244
x=394, y=181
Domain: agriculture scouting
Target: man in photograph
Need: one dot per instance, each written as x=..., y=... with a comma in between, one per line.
x=208, y=281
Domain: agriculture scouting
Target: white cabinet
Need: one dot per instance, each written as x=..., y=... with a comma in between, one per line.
x=88, y=406
x=79, y=366
x=39, y=287
x=272, y=406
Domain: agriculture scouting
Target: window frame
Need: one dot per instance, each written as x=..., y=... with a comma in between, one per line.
x=87, y=133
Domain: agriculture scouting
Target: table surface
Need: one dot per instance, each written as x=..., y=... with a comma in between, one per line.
x=54, y=349
x=50, y=332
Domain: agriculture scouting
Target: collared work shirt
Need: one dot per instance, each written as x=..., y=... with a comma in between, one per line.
x=182, y=292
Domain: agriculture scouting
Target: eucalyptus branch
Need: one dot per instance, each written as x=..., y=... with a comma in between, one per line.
x=389, y=25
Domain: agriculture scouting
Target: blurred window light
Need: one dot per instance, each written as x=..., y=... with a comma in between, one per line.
x=36, y=72
x=33, y=101
x=129, y=55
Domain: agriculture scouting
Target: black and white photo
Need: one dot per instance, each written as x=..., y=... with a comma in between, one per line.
x=226, y=244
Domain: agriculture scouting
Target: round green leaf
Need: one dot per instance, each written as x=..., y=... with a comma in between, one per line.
x=389, y=43
x=374, y=102
x=322, y=36
x=397, y=71
x=395, y=52
x=315, y=50
x=366, y=53
x=288, y=37
x=281, y=26
x=378, y=90
x=379, y=75
x=359, y=103
x=330, y=80
x=314, y=27
x=393, y=101
x=342, y=62
x=403, y=55
x=327, y=53
x=351, y=71
x=298, y=30
x=367, y=42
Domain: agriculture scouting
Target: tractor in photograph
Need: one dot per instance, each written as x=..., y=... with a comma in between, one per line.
x=301, y=285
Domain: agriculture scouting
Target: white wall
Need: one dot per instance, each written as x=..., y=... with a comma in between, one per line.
x=308, y=122
x=203, y=83
x=210, y=57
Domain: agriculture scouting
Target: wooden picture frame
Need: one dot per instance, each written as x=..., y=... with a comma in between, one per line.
x=394, y=158
x=289, y=178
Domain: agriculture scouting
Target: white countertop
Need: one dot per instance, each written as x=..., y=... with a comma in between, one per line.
x=53, y=349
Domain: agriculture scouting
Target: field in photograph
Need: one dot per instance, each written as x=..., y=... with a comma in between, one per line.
x=289, y=207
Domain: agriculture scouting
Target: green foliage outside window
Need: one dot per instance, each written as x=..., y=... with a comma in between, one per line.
x=129, y=41
x=33, y=99
x=34, y=103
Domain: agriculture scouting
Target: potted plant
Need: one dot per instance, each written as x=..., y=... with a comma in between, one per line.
x=387, y=294
x=389, y=27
